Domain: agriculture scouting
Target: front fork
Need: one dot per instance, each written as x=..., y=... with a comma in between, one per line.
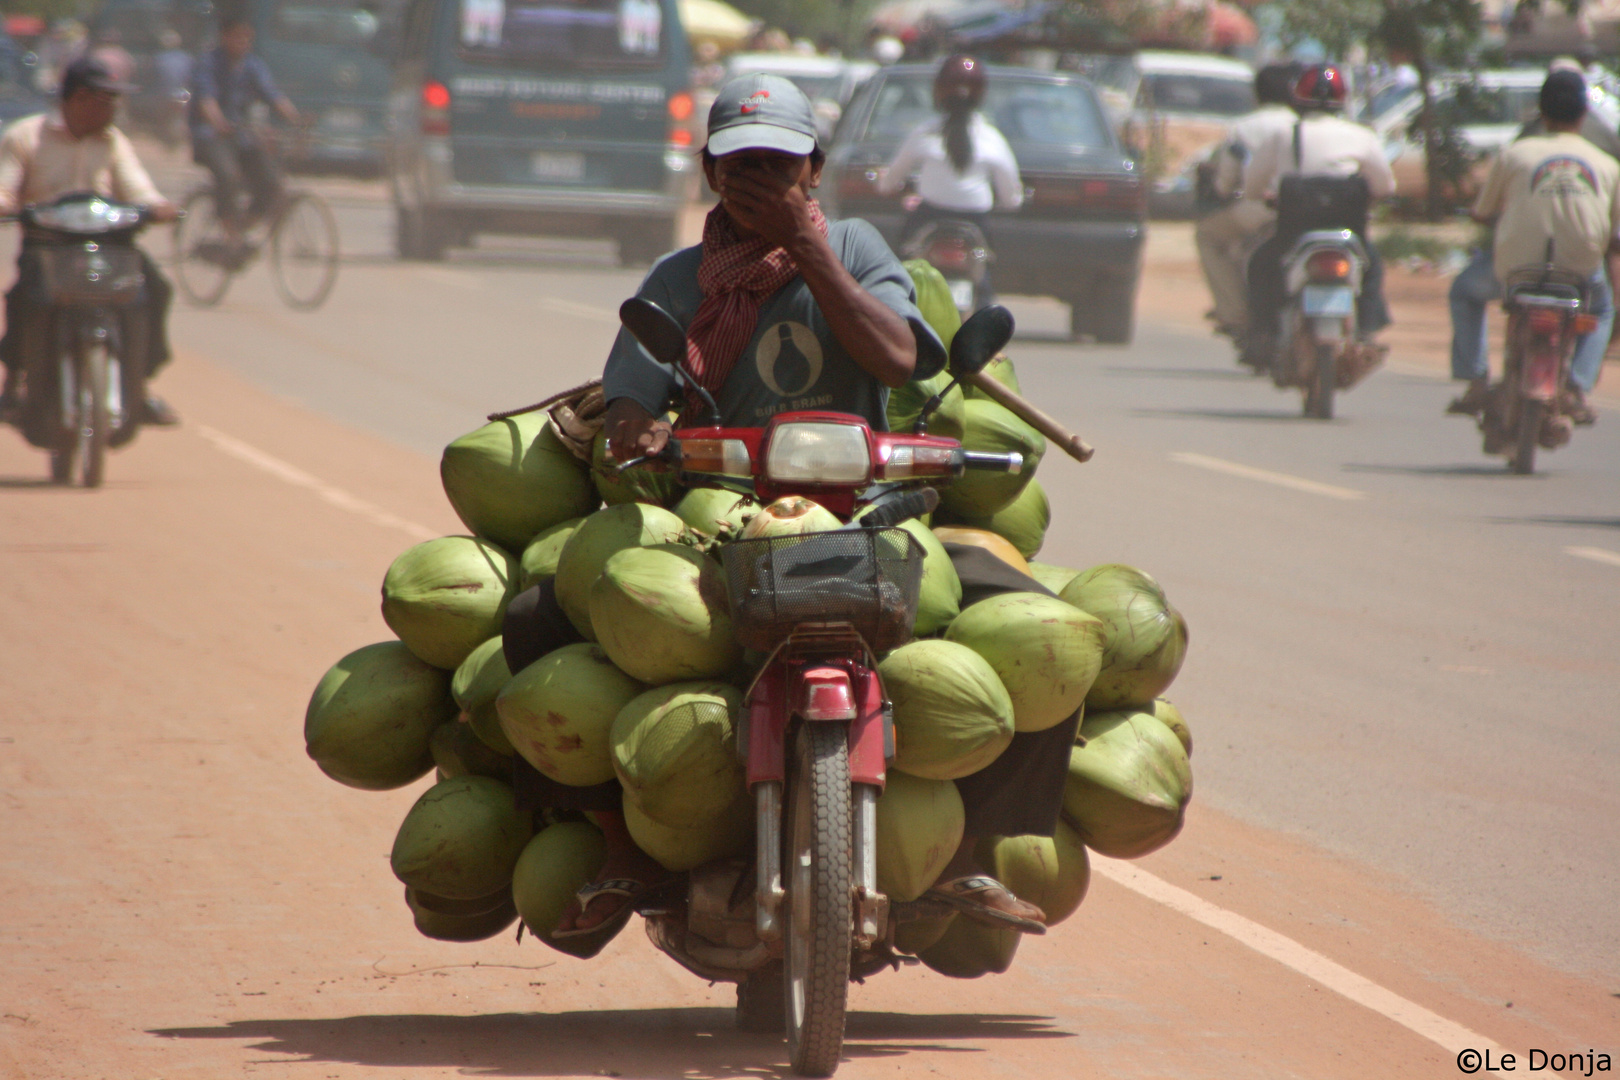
x=818, y=691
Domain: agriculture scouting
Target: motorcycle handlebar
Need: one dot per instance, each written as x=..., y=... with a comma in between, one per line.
x=988, y=462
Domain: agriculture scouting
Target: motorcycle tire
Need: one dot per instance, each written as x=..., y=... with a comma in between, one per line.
x=1324, y=381
x=94, y=419
x=820, y=910
x=1531, y=414
x=65, y=441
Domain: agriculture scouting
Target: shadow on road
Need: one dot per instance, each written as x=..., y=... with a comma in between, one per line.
x=1222, y=374
x=1584, y=522
x=1292, y=416
x=1487, y=469
x=638, y=1044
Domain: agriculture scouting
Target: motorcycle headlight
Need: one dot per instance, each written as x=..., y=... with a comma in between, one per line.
x=86, y=216
x=819, y=453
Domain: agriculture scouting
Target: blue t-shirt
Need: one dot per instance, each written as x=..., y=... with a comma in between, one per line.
x=794, y=361
x=234, y=86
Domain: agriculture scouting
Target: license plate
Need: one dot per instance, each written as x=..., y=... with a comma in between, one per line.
x=1328, y=300
x=344, y=119
x=550, y=165
x=962, y=294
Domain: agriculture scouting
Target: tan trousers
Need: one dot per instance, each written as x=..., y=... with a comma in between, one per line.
x=1225, y=239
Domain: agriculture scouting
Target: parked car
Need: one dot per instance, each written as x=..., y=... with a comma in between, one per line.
x=829, y=82
x=1079, y=234
x=1489, y=108
x=1182, y=106
x=563, y=117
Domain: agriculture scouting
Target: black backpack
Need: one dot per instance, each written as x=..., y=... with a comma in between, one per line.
x=1306, y=203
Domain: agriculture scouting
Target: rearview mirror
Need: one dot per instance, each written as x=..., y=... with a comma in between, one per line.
x=663, y=337
x=983, y=336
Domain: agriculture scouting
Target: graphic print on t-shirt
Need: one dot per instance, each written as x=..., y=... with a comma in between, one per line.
x=789, y=359
x=1561, y=177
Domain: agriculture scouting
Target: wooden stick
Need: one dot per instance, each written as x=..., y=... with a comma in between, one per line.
x=1066, y=440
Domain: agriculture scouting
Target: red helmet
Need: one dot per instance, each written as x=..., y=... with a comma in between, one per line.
x=1321, y=86
x=960, y=82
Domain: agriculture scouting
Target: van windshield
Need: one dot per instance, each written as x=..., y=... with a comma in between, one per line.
x=563, y=33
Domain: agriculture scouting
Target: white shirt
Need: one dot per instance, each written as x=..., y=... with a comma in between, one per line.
x=990, y=180
x=40, y=160
x=1245, y=135
x=1329, y=146
x=1551, y=187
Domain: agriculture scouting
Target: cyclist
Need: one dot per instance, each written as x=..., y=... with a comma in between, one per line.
x=785, y=311
x=77, y=148
x=225, y=83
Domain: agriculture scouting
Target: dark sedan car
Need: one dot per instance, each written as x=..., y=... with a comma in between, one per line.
x=1079, y=234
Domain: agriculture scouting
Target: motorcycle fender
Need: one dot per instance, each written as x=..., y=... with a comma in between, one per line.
x=766, y=726
x=871, y=735
x=1541, y=366
x=1328, y=330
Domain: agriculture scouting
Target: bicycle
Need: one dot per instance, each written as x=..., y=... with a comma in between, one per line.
x=301, y=235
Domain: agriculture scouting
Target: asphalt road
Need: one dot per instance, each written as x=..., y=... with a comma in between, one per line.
x=1402, y=685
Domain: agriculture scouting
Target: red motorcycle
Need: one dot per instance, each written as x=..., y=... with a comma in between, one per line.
x=1547, y=313
x=818, y=730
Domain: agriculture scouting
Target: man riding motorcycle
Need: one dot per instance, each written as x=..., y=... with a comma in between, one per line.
x=1554, y=187
x=77, y=148
x=1228, y=234
x=786, y=311
x=224, y=85
x=1319, y=143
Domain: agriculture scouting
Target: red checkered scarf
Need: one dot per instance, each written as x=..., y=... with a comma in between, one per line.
x=736, y=275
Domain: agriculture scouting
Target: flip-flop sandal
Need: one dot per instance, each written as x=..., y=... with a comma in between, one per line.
x=628, y=888
x=959, y=894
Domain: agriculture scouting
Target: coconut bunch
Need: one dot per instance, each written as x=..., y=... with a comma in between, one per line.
x=646, y=686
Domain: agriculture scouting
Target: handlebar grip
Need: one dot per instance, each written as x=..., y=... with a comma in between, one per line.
x=897, y=508
x=1007, y=463
x=1066, y=440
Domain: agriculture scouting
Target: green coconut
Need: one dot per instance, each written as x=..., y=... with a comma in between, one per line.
x=660, y=614
x=1045, y=652
x=915, y=935
x=557, y=863
x=461, y=838
x=1000, y=368
x=1053, y=577
x=372, y=714
x=1170, y=716
x=907, y=400
x=728, y=833
x=919, y=828
x=969, y=950
x=478, y=681
x=990, y=428
x=675, y=752
x=446, y=927
x=1147, y=638
x=445, y=597
x=952, y=716
x=934, y=299
x=715, y=511
x=1051, y=872
x=645, y=484
x=557, y=713
x=1129, y=784
x=940, y=597
x=604, y=533
x=458, y=751
x=791, y=515
x=511, y=479
x=539, y=559
x=1022, y=522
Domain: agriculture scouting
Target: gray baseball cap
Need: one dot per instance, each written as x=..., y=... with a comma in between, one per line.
x=761, y=112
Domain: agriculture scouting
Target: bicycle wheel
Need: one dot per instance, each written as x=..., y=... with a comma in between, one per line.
x=304, y=251
x=202, y=251
x=93, y=417
x=821, y=922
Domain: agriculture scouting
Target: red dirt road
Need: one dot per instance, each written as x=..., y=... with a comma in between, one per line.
x=183, y=895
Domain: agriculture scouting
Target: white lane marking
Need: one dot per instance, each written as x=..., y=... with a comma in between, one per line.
x=1602, y=555
x=1266, y=476
x=582, y=311
x=299, y=478
x=1453, y=1037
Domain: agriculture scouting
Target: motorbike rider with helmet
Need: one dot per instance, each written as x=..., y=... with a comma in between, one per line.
x=1319, y=143
x=77, y=148
x=1241, y=219
x=963, y=165
x=783, y=311
x=1555, y=186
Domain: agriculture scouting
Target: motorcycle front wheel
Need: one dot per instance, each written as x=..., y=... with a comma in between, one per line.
x=820, y=909
x=94, y=418
x=1531, y=413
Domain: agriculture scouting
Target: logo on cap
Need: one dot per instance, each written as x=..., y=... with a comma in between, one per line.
x=755, y=101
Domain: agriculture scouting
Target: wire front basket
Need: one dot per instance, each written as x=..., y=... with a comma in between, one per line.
x=869, y=578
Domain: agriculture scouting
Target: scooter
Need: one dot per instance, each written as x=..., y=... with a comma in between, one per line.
x=1547, y=313
x=1318, y=349
x=957, y=248
x=817, y=729
x=82, y=393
